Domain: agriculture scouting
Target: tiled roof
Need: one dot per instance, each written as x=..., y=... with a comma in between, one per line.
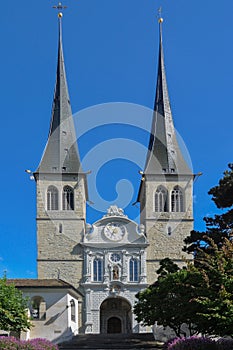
x=41, y=283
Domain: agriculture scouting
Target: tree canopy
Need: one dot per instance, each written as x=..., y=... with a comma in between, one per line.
x=201, y=294
x=13, y=306
x=170, y=301
x=215, y=304
x=220, y=226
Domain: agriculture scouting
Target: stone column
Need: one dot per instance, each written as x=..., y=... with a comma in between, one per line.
x=143, y=266
x=88, y=322
x=106, y=270
x=124, y=267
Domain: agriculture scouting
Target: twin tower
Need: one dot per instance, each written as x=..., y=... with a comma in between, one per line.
x=105, y=255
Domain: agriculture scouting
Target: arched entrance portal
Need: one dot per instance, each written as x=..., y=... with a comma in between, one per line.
x=114, y=325
x=115, y=316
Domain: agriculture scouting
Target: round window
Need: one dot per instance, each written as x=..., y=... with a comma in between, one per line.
x=115, y=257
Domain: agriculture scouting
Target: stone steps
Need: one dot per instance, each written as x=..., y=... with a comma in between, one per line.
x=111, y=341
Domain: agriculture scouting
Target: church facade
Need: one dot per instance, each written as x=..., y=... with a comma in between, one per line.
x=114, y=271
x=109, y=261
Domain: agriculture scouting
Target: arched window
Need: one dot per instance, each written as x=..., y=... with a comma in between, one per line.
x=161, y=203
x=52, y=198
x=72, y=310
x=177, y=200
x=38, y=308
x=97, y=270
x=133, y=270
x=68, y=198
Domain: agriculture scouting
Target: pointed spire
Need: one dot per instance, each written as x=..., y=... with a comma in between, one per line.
x=164, y=154
x=61, y=152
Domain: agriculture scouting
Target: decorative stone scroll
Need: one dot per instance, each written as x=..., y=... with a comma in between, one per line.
x=113, y=210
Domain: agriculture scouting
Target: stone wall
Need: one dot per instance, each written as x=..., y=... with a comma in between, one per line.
x=59, y=232
x=166, y=231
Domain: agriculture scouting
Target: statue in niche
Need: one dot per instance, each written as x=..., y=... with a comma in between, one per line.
x=115, y=272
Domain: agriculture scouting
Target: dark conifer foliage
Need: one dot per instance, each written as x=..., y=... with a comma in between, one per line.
x=221, y=225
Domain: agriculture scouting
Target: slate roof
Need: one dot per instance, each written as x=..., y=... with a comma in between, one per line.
x=164, y=154
x=61, y=152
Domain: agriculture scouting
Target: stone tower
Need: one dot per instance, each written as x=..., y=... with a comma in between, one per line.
x=165, y=193
x=61, y=190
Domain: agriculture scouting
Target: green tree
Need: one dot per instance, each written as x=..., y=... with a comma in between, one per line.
x=220, y=226
x=13, y=305
x=201, y=295
x=215, y=304
x=166, y=266
x=171, y=300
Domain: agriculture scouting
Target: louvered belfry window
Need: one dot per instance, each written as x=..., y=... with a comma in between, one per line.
x=68, y=198
x=52, y=198
x=161, y=197
x=177, y=200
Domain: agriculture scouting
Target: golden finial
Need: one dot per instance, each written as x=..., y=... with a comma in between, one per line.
x=60, y=7
x=160, y=15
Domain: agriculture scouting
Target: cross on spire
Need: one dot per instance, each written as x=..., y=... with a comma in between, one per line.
x=59, y=7
x=61, y=153
x=160, y=11
x=160, y=14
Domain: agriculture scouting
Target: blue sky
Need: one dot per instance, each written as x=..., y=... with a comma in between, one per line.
x=111, y=49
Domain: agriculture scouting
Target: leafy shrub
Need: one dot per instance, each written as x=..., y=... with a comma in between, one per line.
x=11, y=343
x=191, y=343
x=224, y=344
x=198, y=343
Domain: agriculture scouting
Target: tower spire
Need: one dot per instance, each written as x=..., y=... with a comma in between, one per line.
x=61, y=152
x=165, y=193
x=164, y=154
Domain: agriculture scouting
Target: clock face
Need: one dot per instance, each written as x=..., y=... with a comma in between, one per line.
x=114, y=231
